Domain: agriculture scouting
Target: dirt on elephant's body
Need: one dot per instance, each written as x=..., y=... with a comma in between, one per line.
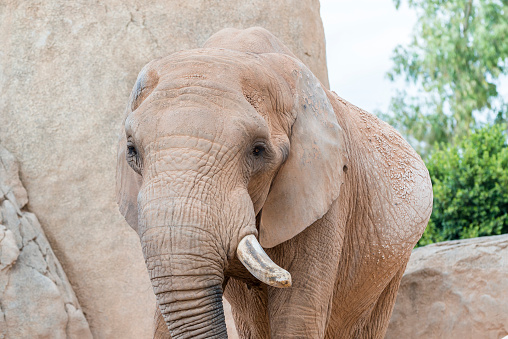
x=397, y=175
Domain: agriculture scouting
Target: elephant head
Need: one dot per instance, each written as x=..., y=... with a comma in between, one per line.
x=221, y=146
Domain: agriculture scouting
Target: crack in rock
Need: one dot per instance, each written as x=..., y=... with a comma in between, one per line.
x=36, y=298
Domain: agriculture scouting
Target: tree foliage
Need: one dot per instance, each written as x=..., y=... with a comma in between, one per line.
x=458, y=52
x=470, y=183
x=451, y=71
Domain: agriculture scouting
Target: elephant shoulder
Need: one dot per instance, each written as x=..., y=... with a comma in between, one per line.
x=394, y=175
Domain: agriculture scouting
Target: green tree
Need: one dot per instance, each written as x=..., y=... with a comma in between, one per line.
x=459, y=50
x=470, y=184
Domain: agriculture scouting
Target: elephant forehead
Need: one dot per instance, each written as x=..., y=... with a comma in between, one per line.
x=174, y=75
x=183, y=153
x=165, y=122
x=227, y=71
x=213, y=62
x=228, y=83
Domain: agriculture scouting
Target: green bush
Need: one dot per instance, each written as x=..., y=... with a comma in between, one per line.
x=470, y=183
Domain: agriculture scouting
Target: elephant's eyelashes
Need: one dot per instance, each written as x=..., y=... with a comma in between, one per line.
x=132, y=157
x=259, y=156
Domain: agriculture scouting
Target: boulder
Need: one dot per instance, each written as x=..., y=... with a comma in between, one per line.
x=454, y=289
x=66, y=71
x=36, y=299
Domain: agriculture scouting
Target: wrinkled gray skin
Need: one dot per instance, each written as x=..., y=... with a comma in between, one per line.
x=239, y=138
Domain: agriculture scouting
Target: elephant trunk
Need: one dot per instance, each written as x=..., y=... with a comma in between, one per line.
x=187, y=239
x=190, y=310
x=186, y=266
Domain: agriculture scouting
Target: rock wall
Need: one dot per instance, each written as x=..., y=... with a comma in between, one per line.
x=454, y=289
x=66, y=71
x=36, y=299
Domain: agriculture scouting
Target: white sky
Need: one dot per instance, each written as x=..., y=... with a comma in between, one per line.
x=360, y=37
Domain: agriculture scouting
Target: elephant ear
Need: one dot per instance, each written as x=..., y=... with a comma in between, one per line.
x=309, y=181
x=128, y=182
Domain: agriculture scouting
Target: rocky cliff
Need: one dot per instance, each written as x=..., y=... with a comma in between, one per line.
x=36, y=299
x=454, y=289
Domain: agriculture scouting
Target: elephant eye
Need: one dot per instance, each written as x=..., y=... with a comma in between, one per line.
x=132, y=157
x=258, y=150
x=131, y=151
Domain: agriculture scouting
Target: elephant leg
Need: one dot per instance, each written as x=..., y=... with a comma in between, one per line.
x=248, y=306
x=376, y=325
x=312, y=257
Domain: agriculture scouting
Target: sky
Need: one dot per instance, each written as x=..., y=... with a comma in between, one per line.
x=360, y=37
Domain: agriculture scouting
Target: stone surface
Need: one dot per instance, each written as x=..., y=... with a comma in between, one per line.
x=454, y=289
x=230, y=323
x=66, y=71
x=36, y=299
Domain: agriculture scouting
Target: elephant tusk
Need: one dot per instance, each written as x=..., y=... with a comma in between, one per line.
x=259, y=264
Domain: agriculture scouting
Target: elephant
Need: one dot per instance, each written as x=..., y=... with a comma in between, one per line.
x=245, y=178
